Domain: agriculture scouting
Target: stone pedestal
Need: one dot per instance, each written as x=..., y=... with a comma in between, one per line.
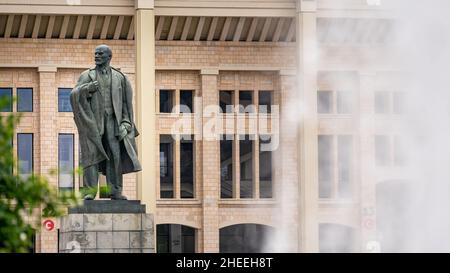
x=107, y=226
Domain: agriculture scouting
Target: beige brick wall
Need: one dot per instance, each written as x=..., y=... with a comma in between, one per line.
x=179, y=67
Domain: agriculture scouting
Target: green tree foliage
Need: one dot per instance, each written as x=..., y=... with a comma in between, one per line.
x=23, y=199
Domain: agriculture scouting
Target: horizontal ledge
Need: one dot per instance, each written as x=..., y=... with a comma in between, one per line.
x=128, y=70
x=252, y=202
x=178, y=202
x=66, y=9
x=224, y=12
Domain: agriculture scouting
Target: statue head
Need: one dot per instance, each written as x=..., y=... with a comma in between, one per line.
x=103, y=55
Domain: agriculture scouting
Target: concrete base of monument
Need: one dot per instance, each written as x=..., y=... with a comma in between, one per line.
x=107, y=226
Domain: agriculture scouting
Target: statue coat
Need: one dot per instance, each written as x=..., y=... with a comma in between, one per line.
x=88, y=109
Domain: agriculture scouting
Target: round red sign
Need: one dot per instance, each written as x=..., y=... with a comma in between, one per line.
x=49, y=225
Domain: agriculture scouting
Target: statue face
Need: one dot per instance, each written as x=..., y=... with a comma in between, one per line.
x=102, y=55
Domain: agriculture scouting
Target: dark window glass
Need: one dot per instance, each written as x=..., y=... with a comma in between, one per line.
x=344, y=165
x=187, y=168
x=24, y=100
x=265, y=102
x=9, y=150
x=245, y=238
x=226, y=167
x=6, y=99
x=186, y=99
x=165, y=101
x=344, y=102
x=334, y=238
x=66, y=161
x=246, y=166
x=398, y=102
x=325, y=166
x=80, y=175
x=32, y=239
x=265, y=167
x=381, y=102
x=25, y=154
x=188, y=239
x=172, y=238
x=324, y=102
x=381, y=150
x=166, y=166
x=163, y=238
x=64, y=100
x=226, y=101
x=245, y=101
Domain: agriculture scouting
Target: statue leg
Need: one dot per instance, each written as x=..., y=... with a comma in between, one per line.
x=90, y=182
x=113, y=165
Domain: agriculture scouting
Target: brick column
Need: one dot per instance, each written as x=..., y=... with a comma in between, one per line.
x=286, y=164
x=211, y=169
x=48, y=142
x=146, y=102
x=307, y=135
x=367, y=160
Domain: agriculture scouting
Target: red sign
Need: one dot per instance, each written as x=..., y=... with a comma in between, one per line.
x=49, y=225
x=368, y=223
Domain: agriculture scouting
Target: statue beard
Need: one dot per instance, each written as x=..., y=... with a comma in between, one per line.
x=103, y=66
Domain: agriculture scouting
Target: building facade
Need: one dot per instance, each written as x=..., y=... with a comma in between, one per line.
x=312, y=69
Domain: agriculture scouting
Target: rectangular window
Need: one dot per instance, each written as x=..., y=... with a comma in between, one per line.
x=382, y=150
x=165, y=101
x=324, y=102
x=186, y=101
x=24, y=100
x=246, y=166
x=6, y=99
x=9, y=150
x=325, y=146
x=166, y=166
x=226, y=166
x=188, y=239
x=398, y=102
x=64, y=100
x=344, y=166
x=226, y=101
x=187, y=168
x=265, y=167
x=344, y=102
x=163, y=238
x=66, y=161
x=381, y=102
x=25, y=155
x=265, y=102
x=245, y=101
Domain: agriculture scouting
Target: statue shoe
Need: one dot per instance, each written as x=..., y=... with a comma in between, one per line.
x=118, y=197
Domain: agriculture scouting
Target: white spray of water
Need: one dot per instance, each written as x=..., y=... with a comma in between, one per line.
x=418, y=193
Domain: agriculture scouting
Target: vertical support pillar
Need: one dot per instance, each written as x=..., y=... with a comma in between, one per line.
x=48, y=142
x=307, y=134
x=367, y=164
x=287, y=177
x=145, y=102
x=211, y=169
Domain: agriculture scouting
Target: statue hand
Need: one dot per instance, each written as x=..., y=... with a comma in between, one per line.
x=93, y=86
x=123, y=132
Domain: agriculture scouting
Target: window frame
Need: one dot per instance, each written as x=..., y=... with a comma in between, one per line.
x=60, y=109
x=10, y=106
x=73, y=161
x=18, y=99
x=18, y=153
